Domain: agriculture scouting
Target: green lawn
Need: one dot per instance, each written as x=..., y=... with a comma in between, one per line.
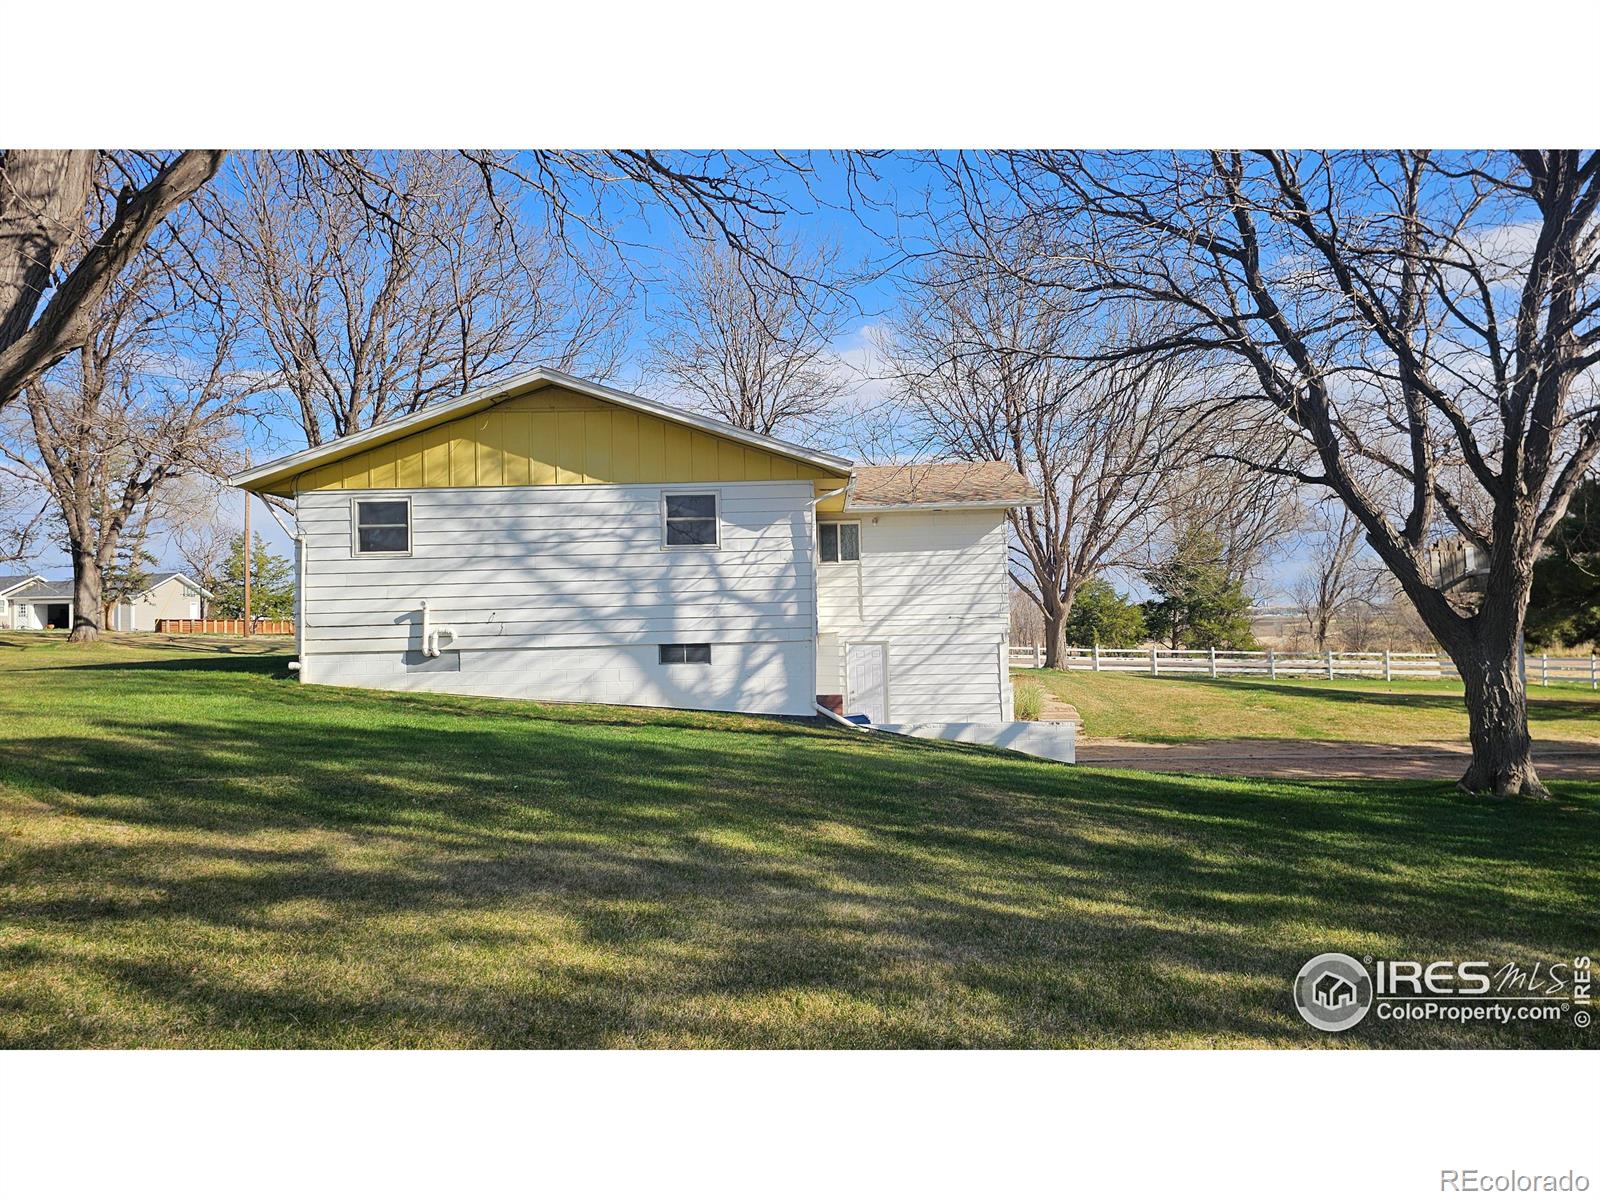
x=1178, y=709
x=197, y=851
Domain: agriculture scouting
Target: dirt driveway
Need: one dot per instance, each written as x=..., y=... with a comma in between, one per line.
x=1269, y=758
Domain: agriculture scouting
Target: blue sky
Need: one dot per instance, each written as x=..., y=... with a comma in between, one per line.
x=819, y=208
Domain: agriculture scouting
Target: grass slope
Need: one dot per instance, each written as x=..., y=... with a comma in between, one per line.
x=1179, y=709
x=197, y=851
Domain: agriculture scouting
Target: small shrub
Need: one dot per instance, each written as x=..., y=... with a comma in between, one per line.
x=1029, y=698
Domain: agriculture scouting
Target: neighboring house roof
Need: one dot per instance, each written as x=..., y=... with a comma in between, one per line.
x=940, y=485
x=61, y=589
x=280, y=470
x=45, y=589
x=161, y=577
x=10, y=583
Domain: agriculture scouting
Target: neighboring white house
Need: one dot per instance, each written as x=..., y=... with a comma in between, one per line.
x=41, y=604
x=552, y=538
x=168, y=596
x=10, y=585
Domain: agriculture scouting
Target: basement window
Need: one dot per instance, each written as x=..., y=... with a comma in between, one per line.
x=840, y=541
x=689, y=519
x=686, y=652
x=383, y=526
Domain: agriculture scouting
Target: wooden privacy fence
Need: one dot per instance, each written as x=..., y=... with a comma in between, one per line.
x=233, y=625
x=1540, y=669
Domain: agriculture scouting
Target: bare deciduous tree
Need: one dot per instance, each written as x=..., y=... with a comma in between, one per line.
x=1333, y=584
x=201, y=537
x=755, y=357
x=1427, y=325
x=370, y=315
x=70, y=222
x=152, y=395
x=993, y=367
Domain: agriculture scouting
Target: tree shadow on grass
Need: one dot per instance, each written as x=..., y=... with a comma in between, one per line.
x=1538, y=705
x=305, y=867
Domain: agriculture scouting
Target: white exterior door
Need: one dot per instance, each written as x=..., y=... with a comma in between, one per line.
x=867, y=680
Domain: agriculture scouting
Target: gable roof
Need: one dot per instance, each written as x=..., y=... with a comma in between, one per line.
x=45, y=589
x=161, y=577
x=61, y=589
x=940, y=485
x=10, y=583
x=266, y=476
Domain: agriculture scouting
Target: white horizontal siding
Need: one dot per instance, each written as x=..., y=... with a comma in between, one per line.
x=932, y=586
x=564, y=593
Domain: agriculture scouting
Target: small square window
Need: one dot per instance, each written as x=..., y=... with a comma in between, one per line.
x=839, y=541
x=383, y=526
x=680, y=652
x=690, y=520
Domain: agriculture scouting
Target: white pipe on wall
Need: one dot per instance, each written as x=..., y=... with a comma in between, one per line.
x=431, y=635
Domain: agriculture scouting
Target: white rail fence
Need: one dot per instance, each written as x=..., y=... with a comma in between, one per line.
x=1537, y=669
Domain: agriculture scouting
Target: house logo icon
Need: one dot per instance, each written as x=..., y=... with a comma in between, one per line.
x=1333, y=992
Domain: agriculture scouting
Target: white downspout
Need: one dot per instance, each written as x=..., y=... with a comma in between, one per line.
x=816, y=616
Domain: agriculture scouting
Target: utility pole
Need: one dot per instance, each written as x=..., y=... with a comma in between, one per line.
x=248, y=627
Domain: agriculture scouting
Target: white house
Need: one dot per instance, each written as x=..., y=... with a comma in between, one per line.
x=40, y=604
x=33, y=602
x=168, y=596
x=552, y=538
x=10, y=585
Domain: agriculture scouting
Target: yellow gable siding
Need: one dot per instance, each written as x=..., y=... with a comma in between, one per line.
x=553, y=436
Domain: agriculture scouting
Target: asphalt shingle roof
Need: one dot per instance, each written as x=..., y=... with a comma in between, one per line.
x=971, y=483
x=45, y=589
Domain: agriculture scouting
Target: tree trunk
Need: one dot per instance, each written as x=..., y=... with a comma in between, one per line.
x=1053, y=624
x=1497, y=713
x=86, y=592
x=43, y=194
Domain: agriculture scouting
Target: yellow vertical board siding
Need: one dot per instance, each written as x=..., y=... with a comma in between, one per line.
x=675, y=464
x=355, y=474
x=463, y=455
x=542, y=448
x=569, y=449
x=625, y=447
x=703, y=456
x=597, y=448
x=381, y=467
x=491, y=451
x=554, y=437
x=652, y=450
x=436, y=457
x=408, y=463
x=730, y=460
x=516, y=432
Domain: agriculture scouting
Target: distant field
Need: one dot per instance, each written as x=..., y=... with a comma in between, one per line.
x=1175, y=709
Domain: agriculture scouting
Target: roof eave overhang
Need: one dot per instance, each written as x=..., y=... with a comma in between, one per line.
x=941, y=504
x=262, y=478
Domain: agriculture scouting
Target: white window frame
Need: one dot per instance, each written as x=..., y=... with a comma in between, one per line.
x=838, y=562
x=355, y=527
x=716, y=497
